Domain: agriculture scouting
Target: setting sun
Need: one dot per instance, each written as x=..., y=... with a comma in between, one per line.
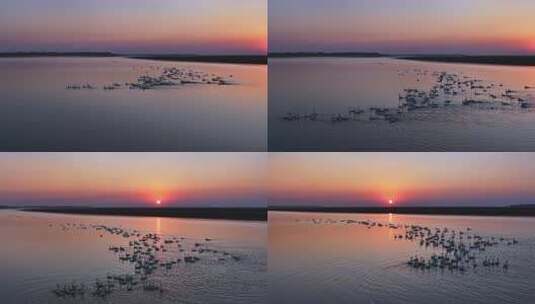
x=158, y=202
x=390, y=202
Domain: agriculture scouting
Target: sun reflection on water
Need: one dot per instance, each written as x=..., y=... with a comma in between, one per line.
x=158, y=225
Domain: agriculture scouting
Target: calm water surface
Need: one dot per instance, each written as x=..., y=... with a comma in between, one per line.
x=37, y=112
x=331, y=261
x=331, y=86
x=41, y=250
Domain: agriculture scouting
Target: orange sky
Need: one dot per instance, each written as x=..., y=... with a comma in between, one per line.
x=135, y=26
x=408, y=26
x=132, y=178
x=364, y=179
x=249, y=179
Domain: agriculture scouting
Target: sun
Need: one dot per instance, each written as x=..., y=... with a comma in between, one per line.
x=158, y=202
x=390, y=202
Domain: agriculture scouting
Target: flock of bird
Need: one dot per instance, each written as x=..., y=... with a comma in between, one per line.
x=447, y=90
x=446, y=249
x=168, y=77
x=148, y=254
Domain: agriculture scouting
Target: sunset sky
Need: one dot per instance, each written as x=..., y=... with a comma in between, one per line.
x=135, y=26
x=133, y=179
x=248, y=179
x=403, y=26
x=408, y=179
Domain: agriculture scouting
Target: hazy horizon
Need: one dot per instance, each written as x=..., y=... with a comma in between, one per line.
x=408, y=179
x=467, y=205
x=133, y=54
x=403, y=27
x=259, y=179
x=133, y=179
x=139, y=26
x=395, y=54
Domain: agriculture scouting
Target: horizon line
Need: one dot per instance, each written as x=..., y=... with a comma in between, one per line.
x=132, y=53
x=397, y=54
x=398, y=206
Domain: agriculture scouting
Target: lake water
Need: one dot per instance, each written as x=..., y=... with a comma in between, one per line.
x=322, y=258
x=38, y=113
x=498, y=116
x=42, y=250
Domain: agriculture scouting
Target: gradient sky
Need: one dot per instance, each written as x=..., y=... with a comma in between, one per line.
x=133, y=179
x=409, y=179
x=403, y=26
x=135, y=26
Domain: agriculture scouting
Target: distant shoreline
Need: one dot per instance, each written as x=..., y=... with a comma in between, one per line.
x=241, y=214
x=56, y=54
x=496, y=60
x=478, y=211
x=326, y=54
x=513, y=60
x=230, y=59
